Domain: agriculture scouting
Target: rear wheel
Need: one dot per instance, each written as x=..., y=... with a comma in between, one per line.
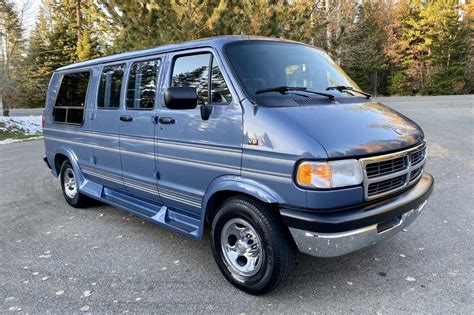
x=70, y=187
x=250, y=246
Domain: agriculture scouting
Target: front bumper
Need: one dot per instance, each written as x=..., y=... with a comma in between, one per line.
x=341, y=232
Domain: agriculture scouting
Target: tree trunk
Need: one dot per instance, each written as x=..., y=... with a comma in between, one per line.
x=328, y=27
x=375, y=82
x=78, y=21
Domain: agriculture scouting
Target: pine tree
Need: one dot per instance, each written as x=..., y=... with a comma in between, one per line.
x=448, y=38
x=469, y=72
x=63, y=34
x=413, y=71
x=364, y=58
x=12, y=46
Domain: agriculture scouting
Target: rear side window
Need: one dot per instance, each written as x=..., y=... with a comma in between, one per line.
x=71, y=99
x=193, y=71
x=109, y=87
x=141, y=87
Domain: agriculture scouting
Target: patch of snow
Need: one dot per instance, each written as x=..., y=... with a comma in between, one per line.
x=27, y=125
x=30, y=125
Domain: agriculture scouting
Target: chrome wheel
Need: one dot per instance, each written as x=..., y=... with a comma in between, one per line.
x=242, y=248
x=70, y=184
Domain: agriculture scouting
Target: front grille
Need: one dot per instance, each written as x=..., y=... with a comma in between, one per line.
x=415, y=173
x=389, y=173
x=386, y=185
x=386, y=167
x=417, y=156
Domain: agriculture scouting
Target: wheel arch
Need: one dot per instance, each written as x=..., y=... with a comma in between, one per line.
x=225, y=187
x=66, y=154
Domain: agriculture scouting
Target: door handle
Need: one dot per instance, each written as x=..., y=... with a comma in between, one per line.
x=166, y=120
x=126, y=118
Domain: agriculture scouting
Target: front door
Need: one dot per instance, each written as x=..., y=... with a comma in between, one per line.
x=192, y=151
x=137, y=130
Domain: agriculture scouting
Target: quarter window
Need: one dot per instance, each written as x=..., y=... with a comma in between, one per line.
x=142, y=84
x=109, y=87
x=69, y=105
x=220, y=93
x=193, y=71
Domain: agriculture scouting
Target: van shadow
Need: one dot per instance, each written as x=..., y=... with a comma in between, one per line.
x=311, y=276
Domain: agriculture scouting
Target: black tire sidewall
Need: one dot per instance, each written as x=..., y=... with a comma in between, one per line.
x=72, y=201
x=260, y=280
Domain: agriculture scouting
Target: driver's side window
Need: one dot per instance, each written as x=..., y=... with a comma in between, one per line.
x=193, y=71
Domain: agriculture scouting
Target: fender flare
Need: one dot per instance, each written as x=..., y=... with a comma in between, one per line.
x=69, y=153
x=240, y=185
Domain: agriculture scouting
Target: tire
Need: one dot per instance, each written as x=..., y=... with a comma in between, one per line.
x=70, y=187
x=251, y=247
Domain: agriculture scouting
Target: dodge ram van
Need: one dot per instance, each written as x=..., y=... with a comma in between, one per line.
x=266, y=140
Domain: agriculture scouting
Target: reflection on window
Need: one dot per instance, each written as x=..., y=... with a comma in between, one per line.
x=109, y=87
x=193, y=71
x=261, y=65
x=220, y=93
x=69, y=106
x=142, y=84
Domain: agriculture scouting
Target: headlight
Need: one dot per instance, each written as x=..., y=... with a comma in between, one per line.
x=330, y=174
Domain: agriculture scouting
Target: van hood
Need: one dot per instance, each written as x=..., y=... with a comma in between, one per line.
x=356, y=129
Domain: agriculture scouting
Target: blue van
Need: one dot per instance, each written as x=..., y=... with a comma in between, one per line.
x=266, y=140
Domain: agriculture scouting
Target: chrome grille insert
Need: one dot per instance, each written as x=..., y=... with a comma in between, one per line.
x=386, y=167
x=386, y=185
x=389, y=173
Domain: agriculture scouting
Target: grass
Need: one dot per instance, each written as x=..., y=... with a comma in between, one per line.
x=15, y=133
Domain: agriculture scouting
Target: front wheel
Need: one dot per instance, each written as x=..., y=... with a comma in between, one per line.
x=250, y=245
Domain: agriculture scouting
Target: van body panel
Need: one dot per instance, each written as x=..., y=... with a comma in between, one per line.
x=138, y=149
x=192, y=152
x=271, y=151
x=138, y=143
x=75, y=140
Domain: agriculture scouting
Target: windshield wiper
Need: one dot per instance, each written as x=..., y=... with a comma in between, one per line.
x=344, y=88
x=286, y=89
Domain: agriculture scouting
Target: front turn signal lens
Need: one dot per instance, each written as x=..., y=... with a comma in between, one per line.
x=310, y=174
x=330, y=174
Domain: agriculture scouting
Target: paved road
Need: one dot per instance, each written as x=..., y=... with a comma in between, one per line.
x=50, y=253
x=26, y=112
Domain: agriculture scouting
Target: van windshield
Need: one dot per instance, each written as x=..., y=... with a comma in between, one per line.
x=261, y=65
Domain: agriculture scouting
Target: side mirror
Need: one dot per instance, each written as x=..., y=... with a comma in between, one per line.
x=181, y=97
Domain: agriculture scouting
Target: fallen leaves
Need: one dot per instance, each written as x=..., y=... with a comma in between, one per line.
x=85, y=308
x=410, y=279
x=87, y=293
x=44, y=256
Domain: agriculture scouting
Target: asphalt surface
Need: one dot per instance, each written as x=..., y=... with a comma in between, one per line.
x=54, y=258
x=26, y=112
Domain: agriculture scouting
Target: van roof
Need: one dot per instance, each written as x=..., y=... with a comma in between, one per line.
x=214, y=42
